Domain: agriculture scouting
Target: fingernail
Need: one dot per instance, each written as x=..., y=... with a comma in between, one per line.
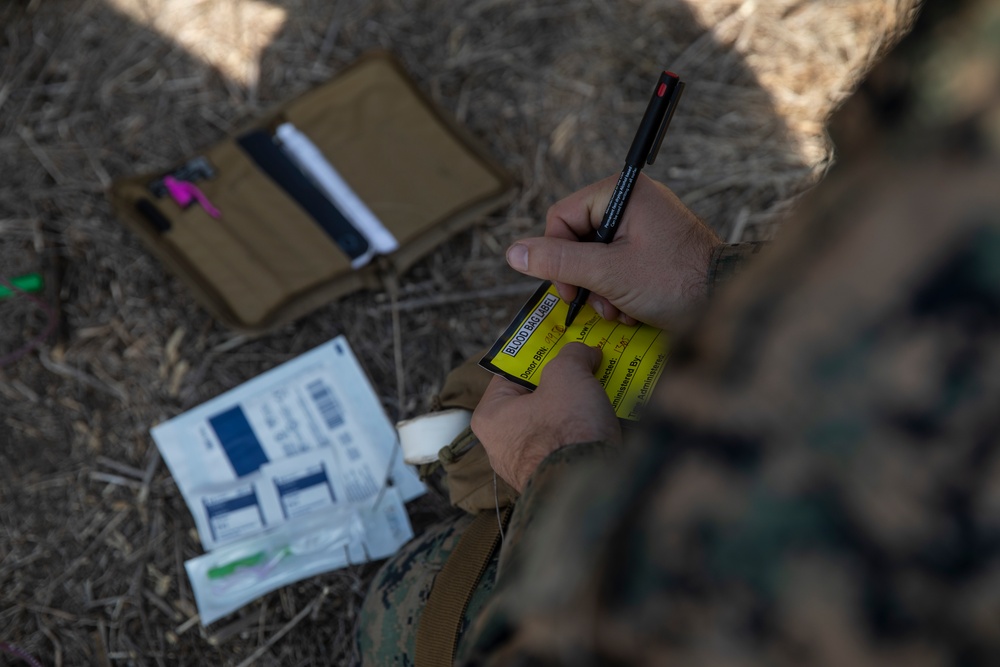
x=599, y=307
x=517, y=257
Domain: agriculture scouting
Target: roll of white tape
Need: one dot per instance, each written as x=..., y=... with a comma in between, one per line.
x=422, y=437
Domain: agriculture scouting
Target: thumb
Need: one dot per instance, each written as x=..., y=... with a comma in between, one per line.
x=586, y=265
x=498, y=392
x=574, y=364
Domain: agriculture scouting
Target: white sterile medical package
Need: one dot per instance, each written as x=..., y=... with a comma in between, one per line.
x=286, y=477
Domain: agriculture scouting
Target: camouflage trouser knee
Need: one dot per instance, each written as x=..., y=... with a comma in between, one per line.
x=387, y=628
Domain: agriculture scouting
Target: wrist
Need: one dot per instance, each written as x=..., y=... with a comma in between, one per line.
x=702, y=248
x=727, y=260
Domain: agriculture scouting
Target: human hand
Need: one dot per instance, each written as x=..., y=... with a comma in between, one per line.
x=655, y=268
x=519, y=428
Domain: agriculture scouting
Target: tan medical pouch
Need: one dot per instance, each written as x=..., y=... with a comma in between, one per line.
x=265, y=261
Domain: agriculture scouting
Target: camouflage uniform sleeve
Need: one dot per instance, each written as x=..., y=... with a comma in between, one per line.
x=820, y=483
x=727, y=261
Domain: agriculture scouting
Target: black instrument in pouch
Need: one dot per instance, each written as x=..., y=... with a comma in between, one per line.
x=152, y=215
x=273, y=161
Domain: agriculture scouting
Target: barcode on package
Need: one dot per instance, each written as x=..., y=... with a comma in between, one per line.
x=327, y=403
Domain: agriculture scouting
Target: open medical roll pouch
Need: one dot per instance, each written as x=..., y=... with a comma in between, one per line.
x=263, y=233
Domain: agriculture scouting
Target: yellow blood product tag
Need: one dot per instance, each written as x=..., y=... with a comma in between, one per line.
x=634, y=356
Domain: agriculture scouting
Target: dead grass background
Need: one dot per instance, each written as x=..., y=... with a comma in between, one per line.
x=93, y=532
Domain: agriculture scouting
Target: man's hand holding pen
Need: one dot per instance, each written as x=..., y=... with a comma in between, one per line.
x=651, y=263
x=655, y=268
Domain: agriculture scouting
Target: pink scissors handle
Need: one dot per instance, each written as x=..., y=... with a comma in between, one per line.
x=184, y=193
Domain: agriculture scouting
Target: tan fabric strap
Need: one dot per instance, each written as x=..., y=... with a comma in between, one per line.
x=441, y=619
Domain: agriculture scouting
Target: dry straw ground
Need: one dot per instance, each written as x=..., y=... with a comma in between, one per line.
x=93, y=532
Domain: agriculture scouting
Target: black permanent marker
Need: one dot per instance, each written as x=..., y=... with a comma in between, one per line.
x=644, y=148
